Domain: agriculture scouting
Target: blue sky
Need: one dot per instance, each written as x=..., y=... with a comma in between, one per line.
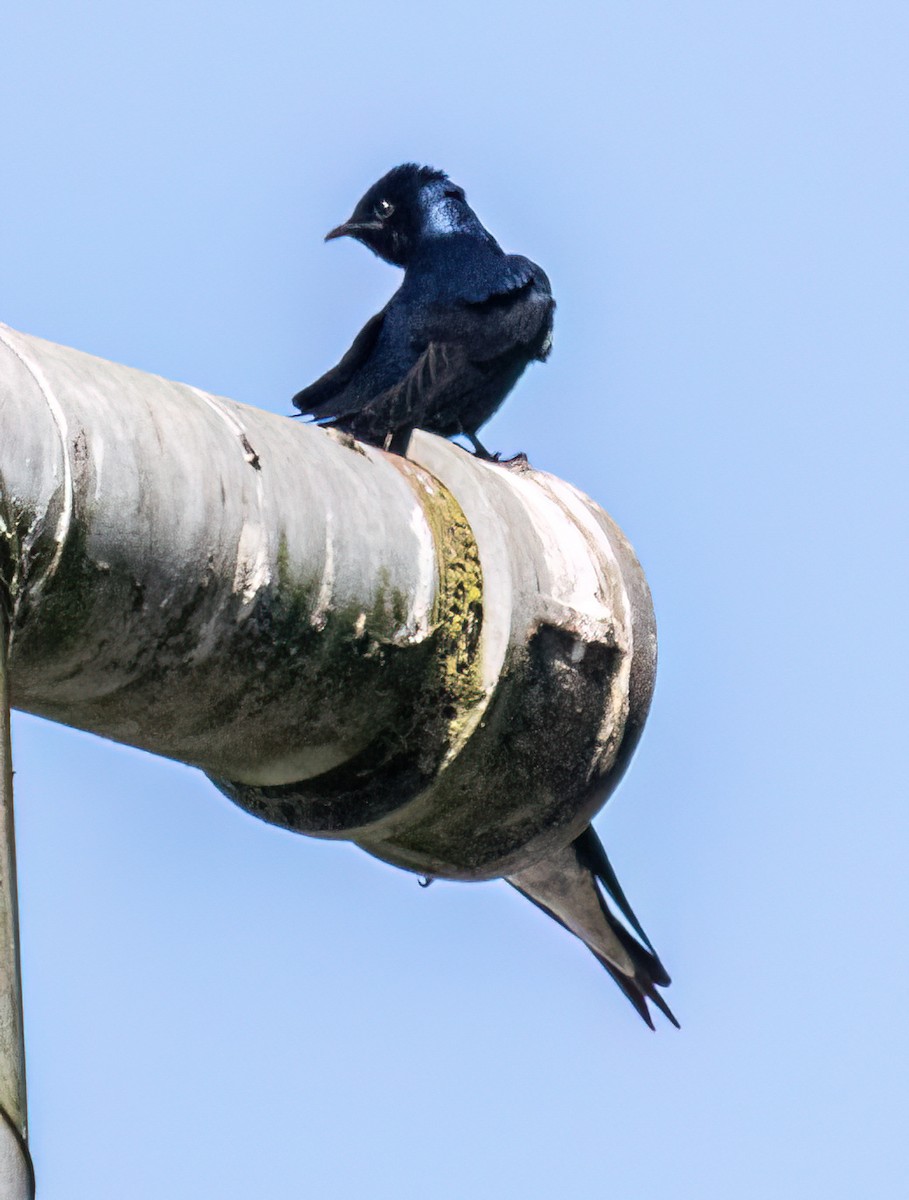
x=216, y=1008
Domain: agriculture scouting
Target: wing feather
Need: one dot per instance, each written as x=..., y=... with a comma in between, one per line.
x=321, y=398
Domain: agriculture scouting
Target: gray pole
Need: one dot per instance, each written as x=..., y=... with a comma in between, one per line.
x=16, y=1176
x=443, y=660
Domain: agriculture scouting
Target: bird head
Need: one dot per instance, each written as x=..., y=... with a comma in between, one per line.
x=403, y=207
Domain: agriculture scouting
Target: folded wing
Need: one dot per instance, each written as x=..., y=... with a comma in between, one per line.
x=324, y=398
x=450, y=371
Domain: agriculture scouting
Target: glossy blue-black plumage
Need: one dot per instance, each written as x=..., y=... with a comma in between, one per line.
x=453, y=340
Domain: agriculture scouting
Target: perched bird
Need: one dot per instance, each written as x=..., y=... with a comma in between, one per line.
x=577, y=886
x=451, y=343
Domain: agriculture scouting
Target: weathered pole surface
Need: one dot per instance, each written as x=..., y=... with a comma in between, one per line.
x=446, y=661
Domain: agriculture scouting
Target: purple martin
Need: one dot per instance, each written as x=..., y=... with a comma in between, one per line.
x=453, y=340
x=578, y=888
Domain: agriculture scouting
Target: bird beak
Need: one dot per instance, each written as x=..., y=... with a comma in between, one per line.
x=352, y=229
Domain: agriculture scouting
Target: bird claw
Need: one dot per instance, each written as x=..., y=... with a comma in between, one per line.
x=517, y=460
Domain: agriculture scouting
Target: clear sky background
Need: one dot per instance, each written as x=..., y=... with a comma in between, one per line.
x=219, y=1009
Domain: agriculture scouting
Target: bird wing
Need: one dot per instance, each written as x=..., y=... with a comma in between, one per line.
x=573, y=886
x=450, y=354
x=511, y=306
x=500, y=276
x=440, y=367
x=462, y=348
x=320, y=398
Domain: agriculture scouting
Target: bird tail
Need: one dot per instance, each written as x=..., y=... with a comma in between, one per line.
x=578, y=888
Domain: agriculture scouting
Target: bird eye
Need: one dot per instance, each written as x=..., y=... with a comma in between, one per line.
x=384, y=209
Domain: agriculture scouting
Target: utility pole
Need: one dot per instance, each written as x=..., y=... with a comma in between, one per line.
x=446, y=661
x=16, y=1175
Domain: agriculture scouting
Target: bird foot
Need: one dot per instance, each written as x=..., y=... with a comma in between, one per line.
x=518, y=460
